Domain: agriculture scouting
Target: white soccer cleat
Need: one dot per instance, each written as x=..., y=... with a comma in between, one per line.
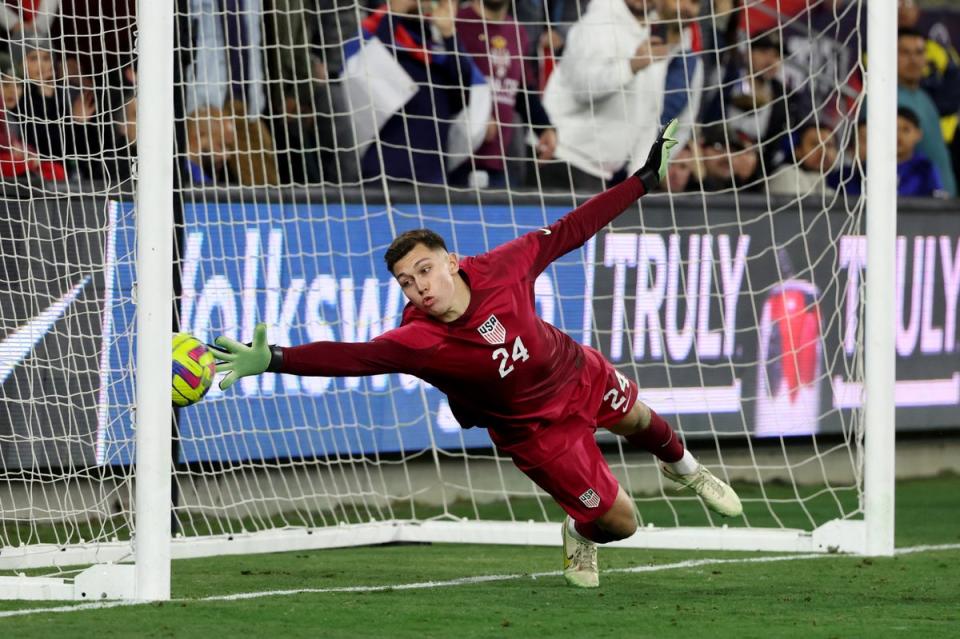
x=715, y=493
x=579, y=561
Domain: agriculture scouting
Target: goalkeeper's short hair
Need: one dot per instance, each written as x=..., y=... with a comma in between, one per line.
x=405, y=242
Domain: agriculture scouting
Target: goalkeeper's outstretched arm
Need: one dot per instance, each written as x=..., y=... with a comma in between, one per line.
x=535, y=251
x=327, y=359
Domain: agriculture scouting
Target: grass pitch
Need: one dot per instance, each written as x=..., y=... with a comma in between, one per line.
x=429, y=591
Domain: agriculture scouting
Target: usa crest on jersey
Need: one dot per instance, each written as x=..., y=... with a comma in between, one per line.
x=493, y=331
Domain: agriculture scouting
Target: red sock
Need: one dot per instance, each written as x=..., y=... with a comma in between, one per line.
x=659, y=439
x=590, y=530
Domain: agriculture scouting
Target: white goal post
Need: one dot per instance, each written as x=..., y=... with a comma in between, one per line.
x=282, y=464
x=880, y=374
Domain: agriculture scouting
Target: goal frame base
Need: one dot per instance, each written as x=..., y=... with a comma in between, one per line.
x=103, y=581
x=99, y=582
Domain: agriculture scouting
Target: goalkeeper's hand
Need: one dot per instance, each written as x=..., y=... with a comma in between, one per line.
x=240, y=360
x=655, y=168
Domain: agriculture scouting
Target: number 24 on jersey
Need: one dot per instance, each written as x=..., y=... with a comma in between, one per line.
x=506, y=358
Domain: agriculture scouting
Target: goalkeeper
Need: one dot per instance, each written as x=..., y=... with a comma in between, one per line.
x=471, y=330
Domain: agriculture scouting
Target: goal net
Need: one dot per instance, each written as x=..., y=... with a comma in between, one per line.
x=308, y=137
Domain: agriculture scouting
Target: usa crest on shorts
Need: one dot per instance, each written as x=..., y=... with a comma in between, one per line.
x=493, y=331
x=590, y=498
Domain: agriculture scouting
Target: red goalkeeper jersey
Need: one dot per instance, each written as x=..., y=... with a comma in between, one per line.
x=499, y=364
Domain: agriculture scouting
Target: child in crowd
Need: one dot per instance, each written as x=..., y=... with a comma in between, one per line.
x=916, y=174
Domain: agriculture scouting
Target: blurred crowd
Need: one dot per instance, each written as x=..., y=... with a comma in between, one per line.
x=523, y=94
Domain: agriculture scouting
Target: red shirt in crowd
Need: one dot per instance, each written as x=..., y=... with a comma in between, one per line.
x=497, y=50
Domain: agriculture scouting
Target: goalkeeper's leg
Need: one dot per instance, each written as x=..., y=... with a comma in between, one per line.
x=644, y=428
x=565, y=461
x=580, y=539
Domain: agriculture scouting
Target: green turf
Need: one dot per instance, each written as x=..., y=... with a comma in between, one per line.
x=907, y=596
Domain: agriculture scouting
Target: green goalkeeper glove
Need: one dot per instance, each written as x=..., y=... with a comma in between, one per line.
x=655, y=168
x=240, y=360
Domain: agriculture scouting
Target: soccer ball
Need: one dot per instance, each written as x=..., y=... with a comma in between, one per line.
x=193, y=370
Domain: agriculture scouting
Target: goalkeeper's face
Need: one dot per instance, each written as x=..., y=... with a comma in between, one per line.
x=430, y=278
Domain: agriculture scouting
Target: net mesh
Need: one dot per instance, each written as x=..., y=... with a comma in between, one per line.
x=311, y=133
x=67, y=143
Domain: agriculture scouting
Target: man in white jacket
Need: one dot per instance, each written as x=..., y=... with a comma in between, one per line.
x=606, y=95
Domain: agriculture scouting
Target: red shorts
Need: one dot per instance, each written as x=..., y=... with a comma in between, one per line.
x=563, y=457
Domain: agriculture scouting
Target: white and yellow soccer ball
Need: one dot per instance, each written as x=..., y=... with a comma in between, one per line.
x=193, y=370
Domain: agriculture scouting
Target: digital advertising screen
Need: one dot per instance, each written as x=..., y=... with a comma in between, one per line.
x=731, y=322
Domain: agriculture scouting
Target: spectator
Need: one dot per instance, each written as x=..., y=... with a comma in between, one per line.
x=62, y=116
x=32, y=17
x=300, y=156
x=490, y=34
x=916, y=174
x=211, y=140
x=547, y=23
x=683, y=87
x=227, y=56
x=682, y=172
x=227, y=148
x=941, y=77
x=764, y=15
x=99, y=37
x=12, y=87
x=752, y=100
x=17, y=158
x=99, y=70
x=728, y=162
x=290, y=64
x=226, y=95
x=815, y=154
x=43, y=106
x=419, y=141
x=911, y=64
x=820, y=69
x=253, y=161
x=335, y=20
x=304, y=38
x=719, y=38
x=606, y=95
x=106, y=141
